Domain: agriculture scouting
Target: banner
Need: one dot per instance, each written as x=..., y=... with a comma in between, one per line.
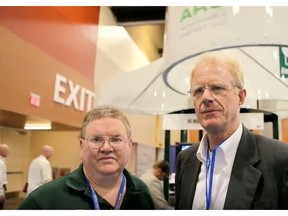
x=193, y=30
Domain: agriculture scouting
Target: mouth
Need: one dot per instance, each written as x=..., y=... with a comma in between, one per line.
x=106, y=158
x=209, y=111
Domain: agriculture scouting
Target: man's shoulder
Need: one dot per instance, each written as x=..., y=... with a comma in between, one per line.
x=149, y=178
x=37, y=159
x=270, y=143
x=135, y=182
x=191, y=150
x=135, y=179
x=55, y=185
x=266, y=144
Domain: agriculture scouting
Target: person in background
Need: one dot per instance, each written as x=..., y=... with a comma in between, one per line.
x=232, y=167
x=40, y=171
x=153, y=178
x=101, y=182
x=4, y=151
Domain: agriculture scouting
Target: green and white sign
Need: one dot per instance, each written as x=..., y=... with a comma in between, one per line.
x=283, y=58
x=192, y=30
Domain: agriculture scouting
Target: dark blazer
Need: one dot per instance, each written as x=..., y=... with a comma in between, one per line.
x=259, y=178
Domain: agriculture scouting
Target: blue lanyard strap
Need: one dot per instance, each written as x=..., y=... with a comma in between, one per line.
x=211, y=169
x=119, y=196
x=210, y=163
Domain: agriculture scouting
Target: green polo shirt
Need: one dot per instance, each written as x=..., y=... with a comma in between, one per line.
x=72, y=192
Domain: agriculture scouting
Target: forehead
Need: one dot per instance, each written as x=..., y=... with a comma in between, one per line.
x=106, y=125
x=215, y=71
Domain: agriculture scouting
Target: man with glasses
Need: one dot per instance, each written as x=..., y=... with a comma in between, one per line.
x=101, y=182
x=231, y=168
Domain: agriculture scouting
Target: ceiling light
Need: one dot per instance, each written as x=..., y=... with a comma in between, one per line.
x=39, y=126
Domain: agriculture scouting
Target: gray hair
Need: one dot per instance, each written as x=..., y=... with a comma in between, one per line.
x=232, y=64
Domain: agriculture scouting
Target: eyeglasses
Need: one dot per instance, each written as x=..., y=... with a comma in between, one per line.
x=215, y=89
x=96, y=142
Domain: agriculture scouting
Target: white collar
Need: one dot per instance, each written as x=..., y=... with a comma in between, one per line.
x=228, y=147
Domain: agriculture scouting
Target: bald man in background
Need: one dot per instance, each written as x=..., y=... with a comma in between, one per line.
x=4, y=151
x=40, y=171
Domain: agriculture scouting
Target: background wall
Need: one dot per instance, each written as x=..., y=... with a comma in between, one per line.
x=36, y=44
x=65, y=144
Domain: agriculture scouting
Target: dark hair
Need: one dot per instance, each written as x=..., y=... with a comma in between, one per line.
x=163, y=165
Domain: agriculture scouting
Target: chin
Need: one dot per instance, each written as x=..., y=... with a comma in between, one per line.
x=210, y=125
x=109, y=167
x=109, y=171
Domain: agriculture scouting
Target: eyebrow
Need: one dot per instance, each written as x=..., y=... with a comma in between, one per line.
x=211, y=83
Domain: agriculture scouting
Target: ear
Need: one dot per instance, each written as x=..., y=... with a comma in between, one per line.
x=80, y=143
x=130, y=142
x=158, y=171
x=242, y=95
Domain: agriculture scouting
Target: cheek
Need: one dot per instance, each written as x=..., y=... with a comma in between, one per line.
x=127, y=153
x=197, y=105
x=233, y=103
x=197, y=112
x=85, y=153
x=81, y=146
x=81, y=154
x=231, y=108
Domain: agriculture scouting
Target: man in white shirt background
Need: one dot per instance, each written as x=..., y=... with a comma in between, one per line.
x=4, y=151
x=40, y=171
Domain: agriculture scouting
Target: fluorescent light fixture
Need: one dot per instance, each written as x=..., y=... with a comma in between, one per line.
x=37, y=126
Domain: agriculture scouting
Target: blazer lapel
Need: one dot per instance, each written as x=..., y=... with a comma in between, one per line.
x=244, y=177
x=190, y=179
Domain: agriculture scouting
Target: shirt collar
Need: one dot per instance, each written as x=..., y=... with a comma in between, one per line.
x=228, y=147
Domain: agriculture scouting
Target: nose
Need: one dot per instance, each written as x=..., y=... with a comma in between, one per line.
x=207, y=96
x=207, y=92
x=106, y=144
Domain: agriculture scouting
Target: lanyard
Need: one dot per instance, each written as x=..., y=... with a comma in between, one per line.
x=119, y=196
x=210, y=163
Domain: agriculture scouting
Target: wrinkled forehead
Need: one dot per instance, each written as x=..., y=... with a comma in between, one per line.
x=210, y=64
x=207, y=73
